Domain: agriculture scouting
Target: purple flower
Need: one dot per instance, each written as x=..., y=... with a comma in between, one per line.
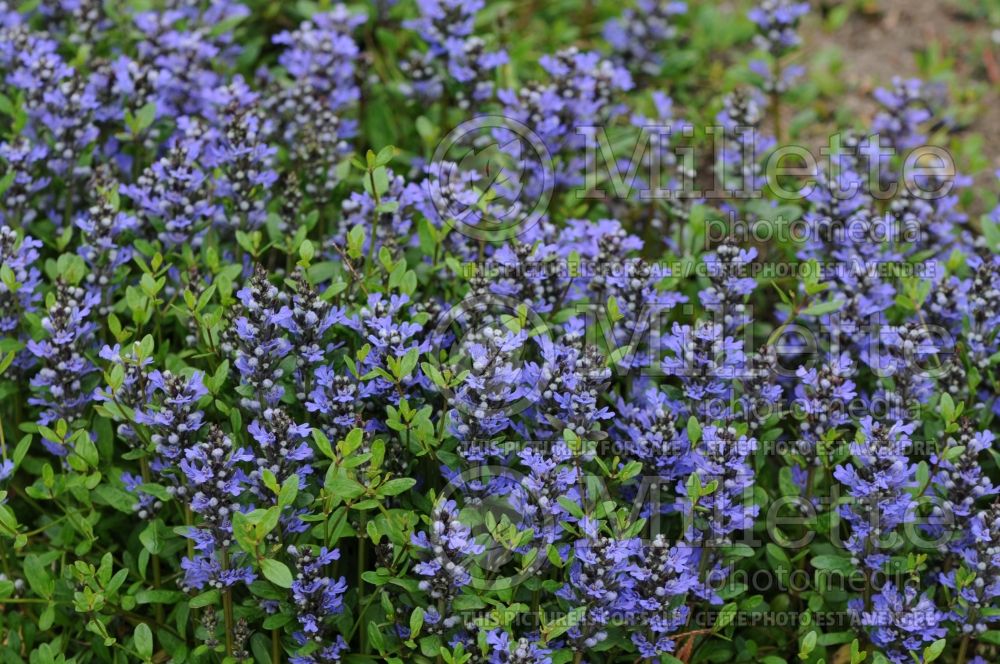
x=311, y=317
x=641, y=35
x=908, y=106
x=777, y=22
x=334, y=400
x=242, y=157
x=975, y=582
x=257, y=339
x=175, y=67
x=728, y=270
x=706, y=362
x=572, y=375
x=901, y=622
x=64, y=366
x=902, y=353
x=394, y=221
x=447, y=548
x=722, y=456
x=20, y=255
x=601, y=583
x=505, y=650
x=171, y=412
x=823, y=398
x=313, y=111
x=581, y=92
x=745, y=143
x=216, y=480
x=6, y=469
x=664, y=577
x=317, y=597
x=282, y=447
x=446, y=26
x=878, y=485
x=103, y=247
x=497, y=385
x=960, y=477
x=25, y=162
x=648, y=425
x=174, y=195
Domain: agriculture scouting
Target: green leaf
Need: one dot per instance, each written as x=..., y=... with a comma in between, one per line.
x=38, y=576
x=307, y=251
x=385, y=155
x=343, y=487
x=808, y=644
x=47, y=618
x=7, y=360
x=154, y=536
x=777, y=557
x=277, y=573
x=85, y=449
x=356, y=241
x=947, y=407
x=934, y=650
x=8, y=522
x=821, y=308
x=726, y=617
x=21, y=450
x=7, y=106
x=786, y=484
x=693, y=487
x=277, y=621
x=158, y=596
x=396, y=486
x=833, y=562
x=144, y=118
x=7, y=180
x=409, y=362
x=144, y=641
x=991, y=232
x=243, y=532
x=289, y=490
x=207, y=598
x=571, y=506
x=416, y=622
x=693, y=430
x=260, y=646
x=323, y=444
x=561, y=625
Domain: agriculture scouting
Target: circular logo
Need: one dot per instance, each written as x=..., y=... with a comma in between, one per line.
x=491, y=338
x=504, y=516
x=491, y=177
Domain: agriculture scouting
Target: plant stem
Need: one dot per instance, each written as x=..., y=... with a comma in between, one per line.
x=776, y=101
x=157, y=608
x=810, y=479
x=362, y=564
x=369, y=261
x=156, y=584
x=227, y=607
x=963, y=650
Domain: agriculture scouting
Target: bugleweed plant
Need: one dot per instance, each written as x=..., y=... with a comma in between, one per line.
x=451, y=331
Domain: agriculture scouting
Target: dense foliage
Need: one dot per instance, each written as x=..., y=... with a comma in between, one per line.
x=292, y=371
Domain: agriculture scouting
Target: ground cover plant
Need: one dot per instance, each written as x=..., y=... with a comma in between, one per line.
x=453, y=331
